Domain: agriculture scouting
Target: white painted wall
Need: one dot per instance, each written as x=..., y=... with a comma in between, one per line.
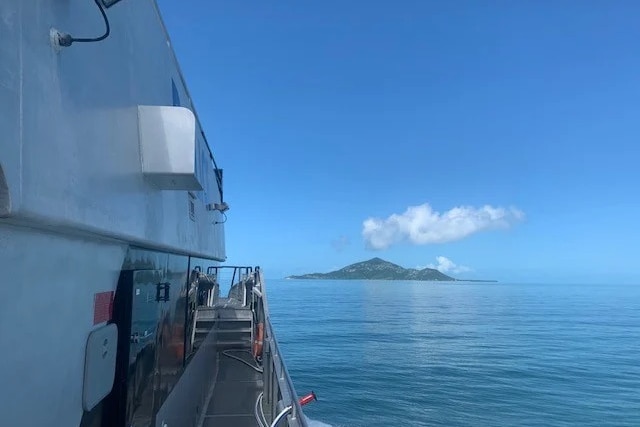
x=46, y=314
x=69, y=145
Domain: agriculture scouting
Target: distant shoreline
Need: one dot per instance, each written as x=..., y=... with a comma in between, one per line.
x=379, y=269
x=393, y=280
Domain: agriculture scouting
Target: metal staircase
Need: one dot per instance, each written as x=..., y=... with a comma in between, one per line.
x=233, y=325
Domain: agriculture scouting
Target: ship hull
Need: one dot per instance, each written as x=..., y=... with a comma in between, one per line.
x=111, y=202
x=49, y=310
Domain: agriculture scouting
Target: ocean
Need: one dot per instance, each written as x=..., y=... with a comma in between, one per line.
x=381, y=353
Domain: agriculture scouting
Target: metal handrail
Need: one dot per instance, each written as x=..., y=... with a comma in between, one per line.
x=222, y=267
x=241, y=273
x=279, y=391
x=276, y=365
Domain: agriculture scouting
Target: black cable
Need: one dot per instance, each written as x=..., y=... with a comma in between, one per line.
x=68, y=40
x=222, y=222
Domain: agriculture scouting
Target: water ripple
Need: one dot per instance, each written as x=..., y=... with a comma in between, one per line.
x=429, y=354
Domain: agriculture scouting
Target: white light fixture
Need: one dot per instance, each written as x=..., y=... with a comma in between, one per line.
x=222, y=207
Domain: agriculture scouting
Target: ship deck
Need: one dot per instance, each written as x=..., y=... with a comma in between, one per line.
x=226, y=331
x=235, y=391
x=237, y=385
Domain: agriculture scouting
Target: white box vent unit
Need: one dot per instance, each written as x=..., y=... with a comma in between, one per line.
x=168, y=147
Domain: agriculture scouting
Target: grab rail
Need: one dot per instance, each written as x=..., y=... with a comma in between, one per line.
x=235, y=278
x=279, y=391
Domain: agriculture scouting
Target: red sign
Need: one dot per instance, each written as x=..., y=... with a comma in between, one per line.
x=102, y=307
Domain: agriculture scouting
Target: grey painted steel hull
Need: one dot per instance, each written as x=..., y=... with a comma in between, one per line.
x=87, y=240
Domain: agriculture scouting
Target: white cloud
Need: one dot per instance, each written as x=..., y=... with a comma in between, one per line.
x=445, y=265
x=422, y=225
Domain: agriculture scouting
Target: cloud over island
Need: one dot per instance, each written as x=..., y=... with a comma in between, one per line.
x=421, y=225
x=445, y=265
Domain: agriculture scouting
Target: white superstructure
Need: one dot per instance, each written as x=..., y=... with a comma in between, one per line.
x=75, y=200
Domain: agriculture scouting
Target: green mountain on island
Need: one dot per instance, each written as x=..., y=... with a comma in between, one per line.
x=378, y=269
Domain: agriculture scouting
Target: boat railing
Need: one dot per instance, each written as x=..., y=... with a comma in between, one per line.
x=279, y=397
x=235, y=279
x=279, y=391
x=207, y=288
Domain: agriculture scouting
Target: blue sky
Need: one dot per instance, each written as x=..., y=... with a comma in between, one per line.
x=325, y=114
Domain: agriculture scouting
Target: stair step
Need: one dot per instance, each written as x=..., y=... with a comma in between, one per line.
x=230, y=331
x=223, y=326
x=224, y=331
x=233, y=343
x=222, y=320
x=234, y=327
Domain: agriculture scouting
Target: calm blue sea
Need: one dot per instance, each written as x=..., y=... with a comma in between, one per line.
x=441, y=354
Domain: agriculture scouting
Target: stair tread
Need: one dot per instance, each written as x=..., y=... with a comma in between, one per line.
x=224, y=331
x=235, y=342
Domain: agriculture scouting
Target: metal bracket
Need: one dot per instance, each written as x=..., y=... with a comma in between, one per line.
x=162, y=292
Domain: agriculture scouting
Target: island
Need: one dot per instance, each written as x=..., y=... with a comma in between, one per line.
x=379, y=269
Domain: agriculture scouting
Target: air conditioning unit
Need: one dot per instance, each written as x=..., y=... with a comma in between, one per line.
x=168, y=147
